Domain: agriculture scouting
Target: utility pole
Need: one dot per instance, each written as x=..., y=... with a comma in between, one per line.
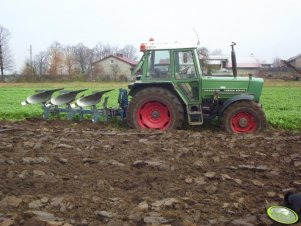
x=1, y=65
x=31, y=71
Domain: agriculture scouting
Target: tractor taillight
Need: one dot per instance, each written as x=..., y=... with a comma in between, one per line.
x=142, y=47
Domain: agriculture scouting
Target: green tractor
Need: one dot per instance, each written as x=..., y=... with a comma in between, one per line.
x=171, y=89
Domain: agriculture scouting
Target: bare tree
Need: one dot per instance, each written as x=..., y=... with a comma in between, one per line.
x=55, y=59
x=27, y=72
x=277, y=63
x=216, y=52
x=129, y=51
x=70, y=61
x=81, y=54
x=110, y=50
x=84, y=58
x=91, y=59
x=6, y=59
x=97, y=72
x=114, y=50
x=203, y=56
x=40, y=63
x=99, y=51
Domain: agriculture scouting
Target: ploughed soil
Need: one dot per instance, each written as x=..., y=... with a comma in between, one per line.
x=67, y=173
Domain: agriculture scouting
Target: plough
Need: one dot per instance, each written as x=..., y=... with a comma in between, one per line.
x=67, y=103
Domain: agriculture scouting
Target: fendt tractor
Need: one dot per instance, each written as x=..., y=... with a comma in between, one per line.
x=171, y=89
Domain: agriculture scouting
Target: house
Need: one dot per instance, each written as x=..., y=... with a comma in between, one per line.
x=113, y=67
x=295, y=61
x=217, y=65
x=222, y=65
x=294, y=66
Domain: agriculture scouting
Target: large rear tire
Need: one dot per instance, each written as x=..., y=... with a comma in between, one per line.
x=243, y=117
x=155, y=108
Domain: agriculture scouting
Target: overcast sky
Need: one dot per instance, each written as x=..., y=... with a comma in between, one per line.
x=265, y=28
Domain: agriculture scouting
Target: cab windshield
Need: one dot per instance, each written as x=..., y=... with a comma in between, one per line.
x=158, y=65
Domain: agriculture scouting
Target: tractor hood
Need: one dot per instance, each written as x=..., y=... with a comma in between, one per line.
x=228, y=87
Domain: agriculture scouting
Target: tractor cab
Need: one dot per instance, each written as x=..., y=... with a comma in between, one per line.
x=165, y=61
x=175, y=63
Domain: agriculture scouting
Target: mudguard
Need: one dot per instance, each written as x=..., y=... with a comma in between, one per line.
x=234, y=99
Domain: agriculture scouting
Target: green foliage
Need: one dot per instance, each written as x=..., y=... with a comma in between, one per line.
x=13, y=94
x=10, y=103
x=282, y=106
x=281, y=100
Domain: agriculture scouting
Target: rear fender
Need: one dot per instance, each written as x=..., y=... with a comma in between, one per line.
x=136, y=87
x=234, y=99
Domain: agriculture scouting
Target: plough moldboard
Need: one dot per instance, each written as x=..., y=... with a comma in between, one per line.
x=66, y=102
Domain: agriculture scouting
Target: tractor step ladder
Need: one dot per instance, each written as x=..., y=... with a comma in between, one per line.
x=195, y=117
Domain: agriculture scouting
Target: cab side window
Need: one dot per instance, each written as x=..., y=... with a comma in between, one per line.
x=158, y=65
x=184, y=65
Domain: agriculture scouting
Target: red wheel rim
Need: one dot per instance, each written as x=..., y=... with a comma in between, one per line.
x=243, y=122
x=154, y=115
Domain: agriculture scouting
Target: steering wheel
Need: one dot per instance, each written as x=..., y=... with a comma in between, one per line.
x=184, y=70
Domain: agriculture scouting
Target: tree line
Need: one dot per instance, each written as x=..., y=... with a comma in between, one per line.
x=6, y=58
x=70, y=62
x=60, y=62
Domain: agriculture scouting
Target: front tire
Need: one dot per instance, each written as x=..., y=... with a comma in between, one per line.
x=155, y=108
x=243, y=117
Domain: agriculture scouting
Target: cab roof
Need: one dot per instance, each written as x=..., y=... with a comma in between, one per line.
x=151, y=45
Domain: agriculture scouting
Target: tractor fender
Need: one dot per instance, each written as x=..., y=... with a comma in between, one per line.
x=136, y=87
x=234, y=99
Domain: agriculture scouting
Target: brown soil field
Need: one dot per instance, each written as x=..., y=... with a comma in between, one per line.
x=66, y=173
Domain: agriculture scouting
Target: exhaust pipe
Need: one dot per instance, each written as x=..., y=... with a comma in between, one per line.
x=233, y=59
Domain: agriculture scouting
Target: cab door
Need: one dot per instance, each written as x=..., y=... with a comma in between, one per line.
x=186, y=79
x=186, y=75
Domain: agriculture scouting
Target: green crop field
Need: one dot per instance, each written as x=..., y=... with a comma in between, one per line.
x=281, y=100
x=12, y=94
x=282, y=104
